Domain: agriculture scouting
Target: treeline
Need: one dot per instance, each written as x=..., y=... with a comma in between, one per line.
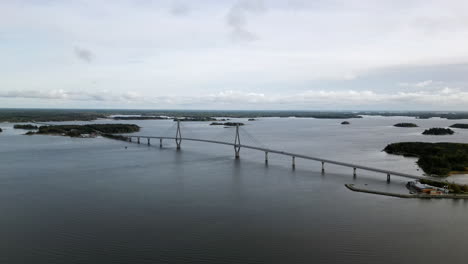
x=227, y=124
x=28, y=127
x=438, y=131
x=458, y=125
x=45, y=115
x=405, y=125
x=139, y=118
x=78, y=130
x=434, y=158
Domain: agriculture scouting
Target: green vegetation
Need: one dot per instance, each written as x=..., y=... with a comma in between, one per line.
x=44, y=115
x=453, y=187
x=195, y=118
x=419, y=114
x=28, y=127
x=139, y=118
x=226, y=124
x=57, y=115
x=345, y=123
x=438, y=159
x=79, y=130
x=464, y=126
x=438, y=131
x=405, y=125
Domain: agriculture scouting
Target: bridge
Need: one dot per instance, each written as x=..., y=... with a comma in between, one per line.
x=237, y=145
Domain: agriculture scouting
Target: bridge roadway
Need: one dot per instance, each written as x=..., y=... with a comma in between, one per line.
x=295, y=155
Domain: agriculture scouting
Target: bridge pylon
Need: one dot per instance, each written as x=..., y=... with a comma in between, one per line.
x=237, y=146
x=178, y=137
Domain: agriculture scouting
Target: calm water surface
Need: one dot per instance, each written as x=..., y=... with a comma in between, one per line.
x=65, y=200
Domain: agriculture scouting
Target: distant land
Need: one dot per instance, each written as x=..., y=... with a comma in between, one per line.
x=438, y=159
x=57, y=115
x=405, y=125
x=80, y=130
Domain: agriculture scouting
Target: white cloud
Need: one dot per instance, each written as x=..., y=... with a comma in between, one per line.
x=421, y=84
x=312, y=99
x=84, y=54
x=237, y=18
x=180, y=9
x=292, y=46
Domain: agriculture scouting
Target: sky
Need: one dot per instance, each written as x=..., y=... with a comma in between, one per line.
x=239, y=54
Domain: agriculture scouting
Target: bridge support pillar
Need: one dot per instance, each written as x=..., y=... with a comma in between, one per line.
x=354, y=172
x=293, y=163
x=266, y=157
x=178, y=138
x=237, y=142
x=138, y=140
x=129, y=139
x=149, y=142
x=160, y=142
x=323, y=167
x=388, y=177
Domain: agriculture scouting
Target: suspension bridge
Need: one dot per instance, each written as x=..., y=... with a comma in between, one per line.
x=238, y=145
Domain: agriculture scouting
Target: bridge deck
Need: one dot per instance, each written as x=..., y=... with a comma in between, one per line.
x=339, y=163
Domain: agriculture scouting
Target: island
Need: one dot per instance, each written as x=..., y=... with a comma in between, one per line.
x=458, y=125
x=405, y=125
x=195, y=118
x=252, y=119
x=227, y=124
x=90, y=130
x=345, y=123
x=438, y=131
x=1, y=130
x=140, y=117
x=438, y=159
x=27, y=127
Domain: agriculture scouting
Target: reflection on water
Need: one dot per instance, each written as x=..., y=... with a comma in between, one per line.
x=65, y=200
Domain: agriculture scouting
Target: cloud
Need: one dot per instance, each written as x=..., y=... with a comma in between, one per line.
x=421, y=84
x=59, y=94
x=236, y=18
x=84, y=54
x=179, y=9
x=311, y=99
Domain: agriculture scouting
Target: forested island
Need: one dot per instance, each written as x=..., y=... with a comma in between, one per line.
x=439, y=159
x=458, y=125
x=345, y=123
x=81, y=130
x=438, y=131
x=195, y=118
x=26, y=127
x=1, y=130
x=405, y=125
x=227, y=124
x=140, y=117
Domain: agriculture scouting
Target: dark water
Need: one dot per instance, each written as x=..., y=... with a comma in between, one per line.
x=66, y=200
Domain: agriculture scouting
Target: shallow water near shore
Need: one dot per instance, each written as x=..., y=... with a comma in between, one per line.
x=71, y=200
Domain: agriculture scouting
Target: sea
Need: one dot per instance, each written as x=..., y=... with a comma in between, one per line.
x=97, y=200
